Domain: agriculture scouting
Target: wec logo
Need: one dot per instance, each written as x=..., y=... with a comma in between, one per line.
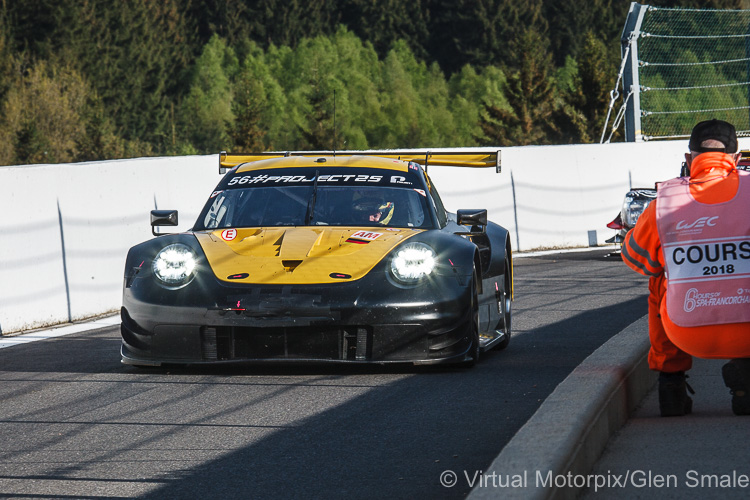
x=699, y=222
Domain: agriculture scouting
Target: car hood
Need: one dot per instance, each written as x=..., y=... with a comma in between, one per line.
x=298, y=255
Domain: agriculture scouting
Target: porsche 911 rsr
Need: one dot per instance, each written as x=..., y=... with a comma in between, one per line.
x=320, y=258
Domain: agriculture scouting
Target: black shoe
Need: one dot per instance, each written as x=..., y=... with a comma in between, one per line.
x=673, y=398
x=736, y=375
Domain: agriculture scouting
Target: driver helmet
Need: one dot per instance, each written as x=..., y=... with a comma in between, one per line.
x=371, y=209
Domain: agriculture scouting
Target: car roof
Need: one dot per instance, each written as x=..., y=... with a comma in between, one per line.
x=323, y=161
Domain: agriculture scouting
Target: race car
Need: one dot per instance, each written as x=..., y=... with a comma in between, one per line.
x=637, y=199
x=311, y=257
x=635, y=202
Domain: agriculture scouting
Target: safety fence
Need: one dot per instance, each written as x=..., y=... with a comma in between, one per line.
x=681, y=66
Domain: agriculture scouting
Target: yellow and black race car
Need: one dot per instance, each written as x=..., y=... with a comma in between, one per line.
x=311, y=257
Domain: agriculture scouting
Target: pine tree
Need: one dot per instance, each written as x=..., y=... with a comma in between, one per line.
x=205, y=115
x=136, y=55
x=319, y=132
x=258, y=105
x=287, y=22
x=570, y=21
x=33, y=24
x=531, y=97
x=248, y=106
x=384, y=22
x=480, y=32
x=592, y=83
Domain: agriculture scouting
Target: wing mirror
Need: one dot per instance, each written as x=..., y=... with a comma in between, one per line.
x=476, y=218
x=162, y=218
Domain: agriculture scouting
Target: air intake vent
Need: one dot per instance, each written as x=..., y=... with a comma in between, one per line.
x=209, y=346
x=290, y=265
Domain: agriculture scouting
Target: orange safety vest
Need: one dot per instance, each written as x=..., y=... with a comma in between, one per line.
x=714, y=179
x=707, y=254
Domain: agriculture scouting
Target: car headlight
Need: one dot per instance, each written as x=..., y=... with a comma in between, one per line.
x=174, y=265
x=412, y=262
x=634, y=204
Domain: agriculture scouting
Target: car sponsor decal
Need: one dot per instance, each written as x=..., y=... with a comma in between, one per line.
x=242, y=180
x=238, y=276
x=399, y=179
x=228, y=234
x=332, y=176
x=421, y=191
x=363, y=237
x=216, y=193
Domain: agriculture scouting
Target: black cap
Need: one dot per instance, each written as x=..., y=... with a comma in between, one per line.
x=714, y=129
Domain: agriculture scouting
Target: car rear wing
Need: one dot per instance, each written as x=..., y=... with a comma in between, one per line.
x=477, y=158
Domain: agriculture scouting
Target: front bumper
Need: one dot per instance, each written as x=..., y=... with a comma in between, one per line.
x=365, y=321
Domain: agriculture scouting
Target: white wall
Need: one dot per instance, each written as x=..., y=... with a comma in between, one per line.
x=65, y=229
x=552, y=196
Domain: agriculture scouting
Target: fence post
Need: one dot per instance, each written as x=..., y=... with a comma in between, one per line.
x=630, y=83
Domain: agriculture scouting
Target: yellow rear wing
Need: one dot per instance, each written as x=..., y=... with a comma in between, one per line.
x=476, y=158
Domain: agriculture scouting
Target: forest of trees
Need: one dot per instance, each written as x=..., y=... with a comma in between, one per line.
x=100, y=79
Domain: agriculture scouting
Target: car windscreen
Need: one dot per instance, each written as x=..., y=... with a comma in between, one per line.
x=334, y=200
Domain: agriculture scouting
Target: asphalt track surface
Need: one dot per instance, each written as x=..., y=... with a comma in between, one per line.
x=75, y=423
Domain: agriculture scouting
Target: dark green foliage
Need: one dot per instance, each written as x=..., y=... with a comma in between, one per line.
x=383, y=22
x=479, y=32
x=700, y=4
x=33, y=24
x=144, y=60
x=589, y=93
x=266, y=22
x=96, y=79
x=31, y=145
x=248, y=107
x=530, y=94
x=7, y=57
x=318, y=132
x=99, y=140
x=569, y=21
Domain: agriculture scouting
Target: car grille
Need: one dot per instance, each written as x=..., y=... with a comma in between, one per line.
x=326, y=343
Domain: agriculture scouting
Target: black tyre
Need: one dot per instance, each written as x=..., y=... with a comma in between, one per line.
x=504, y=303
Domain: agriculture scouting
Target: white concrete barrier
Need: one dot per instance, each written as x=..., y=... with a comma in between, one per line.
x=65, y=229
x=555, y=196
